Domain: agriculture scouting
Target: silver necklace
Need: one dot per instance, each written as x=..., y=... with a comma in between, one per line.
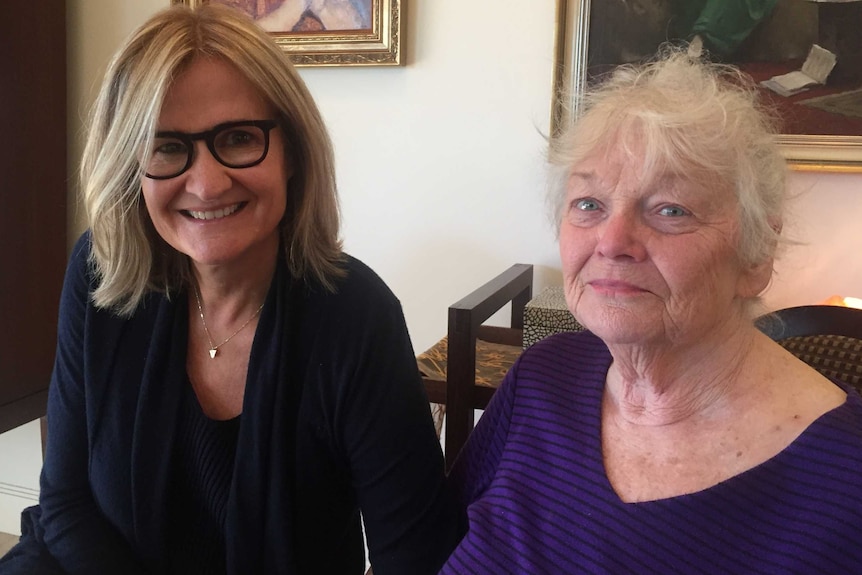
x=214, y=348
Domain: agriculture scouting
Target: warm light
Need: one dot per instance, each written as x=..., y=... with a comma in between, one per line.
x=843, y=301
x=853, y=302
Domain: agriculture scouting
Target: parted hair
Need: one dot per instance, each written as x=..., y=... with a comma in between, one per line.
x=692, y=118
x=128, y=256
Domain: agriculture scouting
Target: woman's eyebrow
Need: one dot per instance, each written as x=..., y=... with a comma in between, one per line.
x=585, y=177
x=583, y=174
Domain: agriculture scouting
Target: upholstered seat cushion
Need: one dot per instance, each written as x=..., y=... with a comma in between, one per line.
x=493, y=360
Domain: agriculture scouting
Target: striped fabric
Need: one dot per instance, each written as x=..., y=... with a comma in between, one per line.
x=540, y=502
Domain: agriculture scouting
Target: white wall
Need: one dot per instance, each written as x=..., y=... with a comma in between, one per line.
x=21, y=454
x=440, y=166
x=824, y=220
x=439, y=163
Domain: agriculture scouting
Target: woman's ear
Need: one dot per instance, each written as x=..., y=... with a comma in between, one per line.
x=755, y=278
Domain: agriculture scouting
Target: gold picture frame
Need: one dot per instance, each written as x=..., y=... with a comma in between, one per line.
x=378, y=44
x=830, y=153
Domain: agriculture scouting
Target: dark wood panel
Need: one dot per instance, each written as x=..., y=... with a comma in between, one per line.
x=33, y=192
x=23, y=410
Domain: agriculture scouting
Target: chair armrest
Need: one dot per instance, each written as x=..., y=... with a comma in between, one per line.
x=515, y=285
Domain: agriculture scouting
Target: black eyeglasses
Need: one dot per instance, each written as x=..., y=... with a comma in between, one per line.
x=240, y=144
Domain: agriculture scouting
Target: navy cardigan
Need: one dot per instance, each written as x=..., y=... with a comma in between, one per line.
x=334, y=420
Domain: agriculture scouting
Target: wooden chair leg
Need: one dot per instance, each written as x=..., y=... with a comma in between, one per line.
x=43, y=423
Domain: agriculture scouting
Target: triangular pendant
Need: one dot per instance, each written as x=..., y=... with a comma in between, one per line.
x=213, y=353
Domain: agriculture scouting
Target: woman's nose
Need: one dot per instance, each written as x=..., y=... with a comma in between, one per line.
x=206, y=178
x=621, y=235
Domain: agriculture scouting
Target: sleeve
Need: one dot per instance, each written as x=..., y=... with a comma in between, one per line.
x=76, y=533
x=388, y=437
x=726, y=24
x=476, y=465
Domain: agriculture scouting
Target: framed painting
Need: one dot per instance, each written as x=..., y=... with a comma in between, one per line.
x=821, y=123
x=328, y=32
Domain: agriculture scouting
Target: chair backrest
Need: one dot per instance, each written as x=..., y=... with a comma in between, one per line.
x=809, y=320
x=828, y=338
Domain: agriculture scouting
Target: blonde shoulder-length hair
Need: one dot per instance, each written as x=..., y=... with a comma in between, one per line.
x=129, y=258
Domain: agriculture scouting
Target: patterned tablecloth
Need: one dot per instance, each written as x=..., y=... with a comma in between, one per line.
x=547, y=314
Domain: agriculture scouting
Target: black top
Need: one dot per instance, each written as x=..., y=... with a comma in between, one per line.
x=204, y=453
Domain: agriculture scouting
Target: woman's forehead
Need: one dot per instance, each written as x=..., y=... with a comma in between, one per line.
x=613, y=160
x=652, y=156
x=620, y=170
x=209, y=91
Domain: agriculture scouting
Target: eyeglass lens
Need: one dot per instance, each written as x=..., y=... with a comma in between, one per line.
x=235, y=145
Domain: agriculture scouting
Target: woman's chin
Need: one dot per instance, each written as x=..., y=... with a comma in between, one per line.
x=618, y=326
x=623, y=336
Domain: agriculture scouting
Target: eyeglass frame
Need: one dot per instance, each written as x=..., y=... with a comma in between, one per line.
x=209, y=136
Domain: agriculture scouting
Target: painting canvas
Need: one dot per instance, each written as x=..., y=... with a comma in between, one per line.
x=328, y=32
x=302, y=16
x=767, y=39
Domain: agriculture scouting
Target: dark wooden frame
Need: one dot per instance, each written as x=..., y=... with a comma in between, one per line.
x=459, y=391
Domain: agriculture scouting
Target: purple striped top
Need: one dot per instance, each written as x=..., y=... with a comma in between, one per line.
x=539, y=500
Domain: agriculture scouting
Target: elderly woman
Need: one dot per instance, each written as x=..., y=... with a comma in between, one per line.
x=672, y=437
x=230, y=388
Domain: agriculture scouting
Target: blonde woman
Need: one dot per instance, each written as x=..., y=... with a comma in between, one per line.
x=230, y=388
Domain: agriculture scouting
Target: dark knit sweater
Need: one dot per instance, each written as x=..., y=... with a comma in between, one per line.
x=334, y=420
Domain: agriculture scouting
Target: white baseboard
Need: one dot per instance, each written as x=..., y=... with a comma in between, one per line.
x=13, y=500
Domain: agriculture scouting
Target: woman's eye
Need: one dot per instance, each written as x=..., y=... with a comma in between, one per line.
x=169, y=148
x=673, y=211
x=586, y=205
x=239, y=138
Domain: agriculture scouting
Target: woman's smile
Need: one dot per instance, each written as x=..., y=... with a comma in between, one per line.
x=214, y=214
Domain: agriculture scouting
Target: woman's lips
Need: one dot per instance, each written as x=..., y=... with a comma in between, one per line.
x=615, y=287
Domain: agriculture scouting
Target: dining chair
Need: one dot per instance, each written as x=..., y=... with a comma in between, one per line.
x=826, y=337
x=462, y=370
